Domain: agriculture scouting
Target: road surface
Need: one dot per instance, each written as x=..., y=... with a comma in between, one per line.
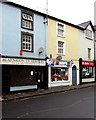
x=71, y=104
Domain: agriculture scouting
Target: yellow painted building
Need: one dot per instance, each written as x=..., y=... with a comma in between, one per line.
x=62, y=41
x=70, y=39
x=67, y=43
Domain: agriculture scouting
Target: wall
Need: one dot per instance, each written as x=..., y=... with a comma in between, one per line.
x=71, y=39
x=11, y=41
x=84, y=44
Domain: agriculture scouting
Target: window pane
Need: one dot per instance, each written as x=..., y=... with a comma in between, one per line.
x=60, y=26
x=27, y=21
x=60, y=29
x=89, y=53
x=27, y=17
x=89, y=33
x=60, y=47
x=27, y=42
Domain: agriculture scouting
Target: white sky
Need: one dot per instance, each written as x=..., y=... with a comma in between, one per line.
x=73, y=11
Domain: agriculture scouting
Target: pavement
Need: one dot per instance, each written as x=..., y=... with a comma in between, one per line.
x=39, y=92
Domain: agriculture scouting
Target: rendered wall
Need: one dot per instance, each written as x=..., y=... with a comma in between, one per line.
x=71, y=38
x=11, y=32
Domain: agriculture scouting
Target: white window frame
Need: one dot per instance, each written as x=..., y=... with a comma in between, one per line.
x=89, y=54
x=87, y=35
x=26, y=42
x=64, y=47
x=62, y=29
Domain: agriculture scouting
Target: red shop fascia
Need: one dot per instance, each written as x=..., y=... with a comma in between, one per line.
x=82, y=65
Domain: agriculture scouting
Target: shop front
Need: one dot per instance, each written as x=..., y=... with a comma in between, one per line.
x=59, y=73
x=87, y=71
x=23, y=74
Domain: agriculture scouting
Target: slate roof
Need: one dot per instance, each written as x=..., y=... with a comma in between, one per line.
x=29, y=9
x=81, y=26
x=85, y=25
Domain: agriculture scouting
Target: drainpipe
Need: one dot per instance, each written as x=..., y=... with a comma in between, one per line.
x=94, y=40
x=94, y=58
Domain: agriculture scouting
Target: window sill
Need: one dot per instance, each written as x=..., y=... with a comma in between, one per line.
x=64, y=81
x=26, y=28
x=89, y=38
x=62, y=54
x=61, y=36
x=27, y=51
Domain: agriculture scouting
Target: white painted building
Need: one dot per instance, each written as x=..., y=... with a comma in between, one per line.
x=86, y=52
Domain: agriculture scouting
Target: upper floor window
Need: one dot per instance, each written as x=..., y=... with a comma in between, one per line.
x=61, y=47
x=89, y=53
x=27, y=20
x=60, y=30
x=27, y=42
x=89, y=34
x=95, y=35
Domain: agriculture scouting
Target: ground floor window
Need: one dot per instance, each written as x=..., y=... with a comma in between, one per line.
x=59, y=74
x=87, y=72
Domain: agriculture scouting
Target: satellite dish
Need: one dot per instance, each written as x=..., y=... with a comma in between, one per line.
x=58, y=58
x=41, y=50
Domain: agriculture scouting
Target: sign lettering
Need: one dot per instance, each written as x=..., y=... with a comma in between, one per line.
x=17, y=61
x=87, y=63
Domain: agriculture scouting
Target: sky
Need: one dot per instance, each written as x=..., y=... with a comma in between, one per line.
x=73, y=11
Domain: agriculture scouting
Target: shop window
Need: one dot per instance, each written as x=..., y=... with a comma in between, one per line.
x=27, y=42
x=27, y=20
x=59, y=74
x=87, y=72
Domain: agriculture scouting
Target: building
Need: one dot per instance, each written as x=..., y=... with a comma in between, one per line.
x=23, y=50
x=63, y=52
x=86, y=52
x=35, y=54
x=68, y=45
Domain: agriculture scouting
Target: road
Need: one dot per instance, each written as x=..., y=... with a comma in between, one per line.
x=71, y=104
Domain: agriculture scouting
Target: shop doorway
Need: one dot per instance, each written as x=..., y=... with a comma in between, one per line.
x=40, y=80
x=74, y=75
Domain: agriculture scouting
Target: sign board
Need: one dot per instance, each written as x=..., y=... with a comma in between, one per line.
x=57, y=63
x=50, y=62
x=22, y=61
x=61, y=63
x=88, y=63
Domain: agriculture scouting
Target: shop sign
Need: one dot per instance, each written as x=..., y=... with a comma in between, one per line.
x=87, y=63
x=18, y=61
x=61, y=63
x=50, y=62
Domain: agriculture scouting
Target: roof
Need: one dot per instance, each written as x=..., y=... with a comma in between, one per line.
x=85, y=25
x=76, y=26
x=43, y=14
x=23, y=7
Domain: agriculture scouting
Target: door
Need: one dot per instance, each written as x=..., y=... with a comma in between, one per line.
x=74, y=75
x=40, y=79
